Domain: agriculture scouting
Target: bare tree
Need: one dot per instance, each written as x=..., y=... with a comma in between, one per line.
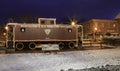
x=28, y=18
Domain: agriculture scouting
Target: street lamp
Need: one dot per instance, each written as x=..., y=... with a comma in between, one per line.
x=4, y=34
x=72, y=23
x=6, y=28
x=95, y=30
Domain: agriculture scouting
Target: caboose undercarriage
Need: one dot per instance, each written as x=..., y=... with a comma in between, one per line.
x=34, y=44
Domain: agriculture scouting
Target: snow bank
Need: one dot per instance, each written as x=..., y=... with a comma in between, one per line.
x=61, y=60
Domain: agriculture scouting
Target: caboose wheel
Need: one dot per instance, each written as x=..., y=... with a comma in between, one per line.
x=32, y=45
x=19, y=46
x=61, y=45
x=71, y=45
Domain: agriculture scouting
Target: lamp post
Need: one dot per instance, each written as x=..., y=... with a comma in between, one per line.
x=95, y=31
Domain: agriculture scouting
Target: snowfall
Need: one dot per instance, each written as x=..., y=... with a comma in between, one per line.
x=60, y=60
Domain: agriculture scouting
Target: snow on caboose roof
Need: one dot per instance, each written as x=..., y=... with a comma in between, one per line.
x=12, y=23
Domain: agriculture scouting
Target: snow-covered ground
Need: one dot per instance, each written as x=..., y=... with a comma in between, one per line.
x=61, y=60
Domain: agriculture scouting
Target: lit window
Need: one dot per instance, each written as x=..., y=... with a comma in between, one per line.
x=11, y=29
x=113, y=25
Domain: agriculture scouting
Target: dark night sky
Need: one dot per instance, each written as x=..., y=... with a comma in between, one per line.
x=85, y=9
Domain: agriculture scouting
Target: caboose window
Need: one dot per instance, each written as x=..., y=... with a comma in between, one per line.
x=42, y=22
x=22, y=29
x=52, y=22
x=11, y=29
x=69, y=30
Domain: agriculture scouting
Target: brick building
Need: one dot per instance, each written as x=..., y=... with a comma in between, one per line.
x=118, y=20
x=2, y=31
x=97, y=28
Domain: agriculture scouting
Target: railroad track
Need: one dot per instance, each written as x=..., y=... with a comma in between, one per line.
x=45, y=51
x=65, y=50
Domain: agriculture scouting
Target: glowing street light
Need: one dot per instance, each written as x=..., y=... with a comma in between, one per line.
x=6, y=28
x=4, y=34
x=95, y=29
x=73, y=23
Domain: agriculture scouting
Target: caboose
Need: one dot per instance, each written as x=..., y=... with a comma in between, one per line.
x=22, y=36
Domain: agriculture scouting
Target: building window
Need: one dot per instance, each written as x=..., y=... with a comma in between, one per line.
x=102, y=24
x=108, y=24
x=42, y=22
x=114, y=25
x=52, y=22
x=96, y=24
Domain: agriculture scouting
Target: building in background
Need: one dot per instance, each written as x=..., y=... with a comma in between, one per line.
x=97, y=28
x=2, y=32
x=117, y=18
